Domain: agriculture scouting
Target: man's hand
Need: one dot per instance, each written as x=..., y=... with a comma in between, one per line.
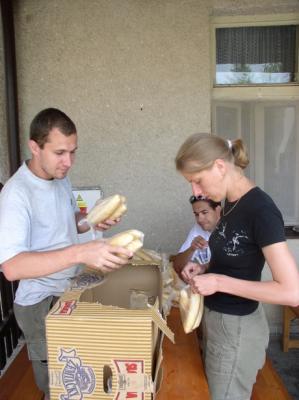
x=107, y=224
x=198, y=243
x=191, y=269
x=100, y=255
x=83, y=226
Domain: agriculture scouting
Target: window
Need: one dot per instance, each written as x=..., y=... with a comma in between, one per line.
x=255, y=55
x=255, y=97
x=271, y=133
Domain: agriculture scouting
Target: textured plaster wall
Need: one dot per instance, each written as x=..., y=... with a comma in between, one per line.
x=253, y=7
x=134, y=75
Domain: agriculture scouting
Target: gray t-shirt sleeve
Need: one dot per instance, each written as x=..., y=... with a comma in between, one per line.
x=15, y=224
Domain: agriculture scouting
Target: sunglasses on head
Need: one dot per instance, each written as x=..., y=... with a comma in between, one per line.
x=193, y=198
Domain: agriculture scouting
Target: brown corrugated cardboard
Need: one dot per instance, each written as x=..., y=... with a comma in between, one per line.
x=101, y=348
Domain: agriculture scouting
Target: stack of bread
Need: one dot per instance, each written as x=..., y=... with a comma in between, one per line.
x=191, y=309
x=146, y=256
x=109, y=208
x=112, y=208
x=175, y=292
x=131, y=239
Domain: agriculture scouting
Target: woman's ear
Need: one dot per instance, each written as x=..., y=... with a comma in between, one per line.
x=220, y=166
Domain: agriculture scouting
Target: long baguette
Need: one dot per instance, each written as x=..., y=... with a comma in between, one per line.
x=200, y=313
x=190, y=304
x=132, y=239
x=109, y=208
x=144, y=256
x=119, y=211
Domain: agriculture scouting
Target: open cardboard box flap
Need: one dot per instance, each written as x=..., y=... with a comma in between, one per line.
x=93, y=325
x=107, y=293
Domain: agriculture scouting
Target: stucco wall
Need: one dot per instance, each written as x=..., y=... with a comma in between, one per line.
x=134, y=75
x=253, y=7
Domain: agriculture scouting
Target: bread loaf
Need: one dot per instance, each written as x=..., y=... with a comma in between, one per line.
x=191, y=309
x=111, y=207
x=131, y=239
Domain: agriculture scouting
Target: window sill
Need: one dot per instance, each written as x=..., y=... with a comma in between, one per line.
x=256, y=92
x=256, y=85
x=290, y=233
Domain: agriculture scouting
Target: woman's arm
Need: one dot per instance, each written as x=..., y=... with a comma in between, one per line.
x=283, y=289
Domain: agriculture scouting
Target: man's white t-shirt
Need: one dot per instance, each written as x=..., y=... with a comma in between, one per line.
x=37, y=215
x=195, y=231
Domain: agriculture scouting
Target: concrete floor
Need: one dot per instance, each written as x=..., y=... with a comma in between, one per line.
x=286, y=364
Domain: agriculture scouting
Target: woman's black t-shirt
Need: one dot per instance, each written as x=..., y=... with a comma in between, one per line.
x=236, y=246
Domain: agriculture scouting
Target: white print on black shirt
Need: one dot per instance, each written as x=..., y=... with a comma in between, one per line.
x=222, y=232
x=232, y=248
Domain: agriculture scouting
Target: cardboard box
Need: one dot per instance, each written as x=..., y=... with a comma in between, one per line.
x=101, y=348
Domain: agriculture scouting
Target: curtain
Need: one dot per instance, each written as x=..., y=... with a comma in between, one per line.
x=257, y=45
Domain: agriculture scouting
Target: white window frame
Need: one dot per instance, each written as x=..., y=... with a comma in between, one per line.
x=289, y=91
x=266, y=93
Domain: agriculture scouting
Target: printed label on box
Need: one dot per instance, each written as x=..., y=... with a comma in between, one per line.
x=64, y=307
x=131, y=379
x=85, y=280
x=76, y=379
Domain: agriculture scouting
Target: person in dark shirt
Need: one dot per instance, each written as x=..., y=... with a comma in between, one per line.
x=250, y=232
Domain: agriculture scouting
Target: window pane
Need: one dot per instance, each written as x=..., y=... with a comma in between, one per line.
x=255, y=55
x=231, y=120
x=228, y=121
x=270, y=131
x=280, y=158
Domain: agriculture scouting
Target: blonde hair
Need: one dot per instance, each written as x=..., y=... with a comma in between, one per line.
x=200, y=151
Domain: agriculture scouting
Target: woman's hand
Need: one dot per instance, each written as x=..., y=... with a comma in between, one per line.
x=206, y=284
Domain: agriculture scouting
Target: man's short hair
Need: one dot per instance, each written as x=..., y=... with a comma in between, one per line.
x=48, y=119
x=212, y=204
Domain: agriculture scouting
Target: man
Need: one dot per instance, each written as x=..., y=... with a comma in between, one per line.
x=38, y=232
x=207, y=214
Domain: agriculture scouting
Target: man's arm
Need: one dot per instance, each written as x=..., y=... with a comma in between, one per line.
x=96, y=253
x=181, y=259
x=81, y=228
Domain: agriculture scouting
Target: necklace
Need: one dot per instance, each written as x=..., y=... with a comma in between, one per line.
x=231, y=209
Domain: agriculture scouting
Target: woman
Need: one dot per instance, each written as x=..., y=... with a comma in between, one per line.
x=207, y=213
x=250, y=232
